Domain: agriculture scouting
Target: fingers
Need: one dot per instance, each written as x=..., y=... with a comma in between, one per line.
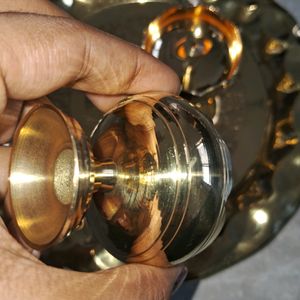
x=130, y=281
x=31, y=6
x=43, y=282
x=9, y=245
x=139, y=282
x=125, y=282
x=41, y=54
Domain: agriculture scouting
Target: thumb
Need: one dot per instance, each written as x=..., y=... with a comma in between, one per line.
x=145, y=282
x=132, y=281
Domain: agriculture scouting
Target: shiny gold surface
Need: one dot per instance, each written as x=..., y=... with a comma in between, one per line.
x=47, y=176
x=83, y=10
x=276, y=46
x=63, y=176
x=154, y=204
x=203, y=29
x=258, y=121
x=37, y=211
x=288, y=85
x=159, y=171
x=104, y=175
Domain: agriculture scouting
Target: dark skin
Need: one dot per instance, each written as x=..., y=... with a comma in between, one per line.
x=43, y=49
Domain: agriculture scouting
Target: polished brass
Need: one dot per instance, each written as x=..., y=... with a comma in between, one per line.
x=288, y=85
x=276, y=46
x=259, y=123
x=159, y=172
x=63, y=177
x=249, y=12
x=194, y=33
x=48, y=177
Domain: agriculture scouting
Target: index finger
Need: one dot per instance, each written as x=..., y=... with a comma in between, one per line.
x=43, y=53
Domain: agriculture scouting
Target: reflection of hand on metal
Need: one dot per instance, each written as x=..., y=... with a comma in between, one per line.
x=183, y=37
x=8, y=120
x=166, y=203
x=141, y=128
x=143, y=246
x=139, y=143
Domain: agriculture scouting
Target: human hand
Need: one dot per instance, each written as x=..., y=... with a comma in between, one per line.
x=42, y=49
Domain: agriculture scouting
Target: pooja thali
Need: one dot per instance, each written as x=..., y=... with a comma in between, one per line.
x=251, y=93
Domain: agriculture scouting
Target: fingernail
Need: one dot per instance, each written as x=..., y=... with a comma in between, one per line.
x=180, y=279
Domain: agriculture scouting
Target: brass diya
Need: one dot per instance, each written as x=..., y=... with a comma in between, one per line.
x=152, y=185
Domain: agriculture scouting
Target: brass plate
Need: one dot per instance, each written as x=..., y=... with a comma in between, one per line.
x=204, y=49
x=262, y=107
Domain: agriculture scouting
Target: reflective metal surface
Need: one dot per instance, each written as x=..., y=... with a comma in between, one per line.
x=192, y=40
x=160, y=173
x=91, y=10
x=172, y=170
x=254, y=115
x=49, y=182
x=125, y=19
x=268, y=194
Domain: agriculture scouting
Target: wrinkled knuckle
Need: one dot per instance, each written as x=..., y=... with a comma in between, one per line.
x=86, y=64
x=136, y=74
x=158, y=293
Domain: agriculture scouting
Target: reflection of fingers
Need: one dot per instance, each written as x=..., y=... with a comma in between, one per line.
x=4, y=166
x=140, y=114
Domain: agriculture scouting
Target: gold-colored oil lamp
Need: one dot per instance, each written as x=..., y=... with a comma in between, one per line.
x=152, y=183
